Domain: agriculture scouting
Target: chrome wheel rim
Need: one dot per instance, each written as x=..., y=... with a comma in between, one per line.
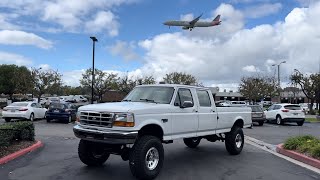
x=238, y=140
x=152, y=158
x=194, y=140
x=278, y=120
x=31, y=117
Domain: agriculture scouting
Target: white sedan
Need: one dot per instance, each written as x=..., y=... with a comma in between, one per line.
x=24, y=110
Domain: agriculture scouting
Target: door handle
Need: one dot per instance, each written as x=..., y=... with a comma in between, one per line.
x=213, y=110
x=194, y=110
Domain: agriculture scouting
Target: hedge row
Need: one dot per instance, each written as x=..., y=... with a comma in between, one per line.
x=304, y=144
x=16, y=131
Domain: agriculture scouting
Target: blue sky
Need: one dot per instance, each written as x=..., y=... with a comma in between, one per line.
x=55, y=34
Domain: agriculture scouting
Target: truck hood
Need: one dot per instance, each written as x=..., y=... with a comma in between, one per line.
x=134, y=107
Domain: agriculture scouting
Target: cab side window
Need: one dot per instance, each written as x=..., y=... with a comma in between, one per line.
x=183, y=95
x=204, y=98
x=34, y=105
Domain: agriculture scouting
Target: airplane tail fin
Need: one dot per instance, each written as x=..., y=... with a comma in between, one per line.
x=217, y=18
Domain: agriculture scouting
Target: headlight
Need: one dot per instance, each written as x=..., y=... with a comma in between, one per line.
x=124, y=119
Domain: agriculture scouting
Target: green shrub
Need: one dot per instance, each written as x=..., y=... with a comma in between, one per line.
x=304, y=144
x=16, y=131
x=315, y=152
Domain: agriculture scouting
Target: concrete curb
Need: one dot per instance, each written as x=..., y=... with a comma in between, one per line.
x=21, y=152
x=297, y=156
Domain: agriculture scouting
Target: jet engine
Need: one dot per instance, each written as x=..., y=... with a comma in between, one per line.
x=185, y=28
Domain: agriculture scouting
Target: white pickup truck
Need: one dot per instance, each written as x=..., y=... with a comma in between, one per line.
x=151, y=115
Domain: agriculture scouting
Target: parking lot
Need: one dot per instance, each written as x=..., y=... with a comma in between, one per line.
x=58, y=158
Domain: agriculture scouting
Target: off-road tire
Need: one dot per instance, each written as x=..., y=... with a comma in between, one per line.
x=192, y=142
x=231, y=141
x=300, y=123
x=138, y=155
x=88, y=154
x=7, y=119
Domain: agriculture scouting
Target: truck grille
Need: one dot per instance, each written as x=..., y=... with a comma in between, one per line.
x=96, y=119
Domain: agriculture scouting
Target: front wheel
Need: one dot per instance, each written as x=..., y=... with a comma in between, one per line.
x=192, y=142
x=300, y=123
x=234, y=141
x=92, y=154
x=146, y=157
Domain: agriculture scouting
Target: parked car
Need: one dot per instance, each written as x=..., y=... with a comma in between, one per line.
x=23, y=110
x=257, y=114
x=69, y=98
x=61, y=111
x=305, y=107
x=282, y=113
x=80, y=98
x=50, y=100
x=154, y=114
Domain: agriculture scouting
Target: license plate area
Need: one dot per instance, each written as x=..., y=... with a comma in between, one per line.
x=56, y=111
x=12, y=110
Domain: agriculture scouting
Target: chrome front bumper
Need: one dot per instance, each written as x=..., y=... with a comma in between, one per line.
x=108, y=137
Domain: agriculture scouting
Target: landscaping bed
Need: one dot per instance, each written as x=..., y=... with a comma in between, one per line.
x=307, y=145
x=15, y=136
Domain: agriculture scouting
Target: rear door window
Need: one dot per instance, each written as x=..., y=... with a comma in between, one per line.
x=293, y=107
x=204, y=98
x=183, y=95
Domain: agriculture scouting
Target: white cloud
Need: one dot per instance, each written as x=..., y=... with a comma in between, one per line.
x=72, y=16
x=262, y=10
x=124, y=49
x=218, y=57
x=187, y=17
x=250, y=68
x=11, y=58
x=14, y=37
x=44, y=67
x=72, y=78
x=104, y=20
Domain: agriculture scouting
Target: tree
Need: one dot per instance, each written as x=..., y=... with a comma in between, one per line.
x=310, y=85
x=180, y=78
x=45, y=81
x=14, y=79
x=146, y=80
x=125, y=84
x=103, y=81
x=256, y=87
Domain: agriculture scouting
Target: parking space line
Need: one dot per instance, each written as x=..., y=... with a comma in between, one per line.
x=266, y=147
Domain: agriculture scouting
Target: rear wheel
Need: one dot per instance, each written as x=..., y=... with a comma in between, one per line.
x=279, y=120
x=92, y=154
x=192, y=142
x=234, y=141
x=31, y=117
x=300, y=123
x=7, y=119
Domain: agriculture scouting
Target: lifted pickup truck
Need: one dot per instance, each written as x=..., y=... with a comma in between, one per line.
x=151, y=115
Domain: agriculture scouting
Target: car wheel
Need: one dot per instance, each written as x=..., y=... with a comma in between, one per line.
x=69, y=119
x=45, y=115
x=7, y=119
x=279, y=120
x=92, y=154
x=261, y=123
x=31, y=117
x=300, y=123
x=146, y=157
x=234, y=141
x=192, y=142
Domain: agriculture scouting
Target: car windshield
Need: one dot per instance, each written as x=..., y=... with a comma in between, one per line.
x=293, y=107
x=256, y=109
x=154, y=94
x=19, y=104
x=57, y=106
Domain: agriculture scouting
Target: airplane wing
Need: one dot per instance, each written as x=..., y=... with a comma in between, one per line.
x=195, y=20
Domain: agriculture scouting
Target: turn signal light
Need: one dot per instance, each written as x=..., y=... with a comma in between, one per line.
x=123, y=124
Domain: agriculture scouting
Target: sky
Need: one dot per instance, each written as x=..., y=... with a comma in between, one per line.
x=253, y=35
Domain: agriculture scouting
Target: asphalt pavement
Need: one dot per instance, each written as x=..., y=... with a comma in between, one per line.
x=58, y=159
x=276, y=134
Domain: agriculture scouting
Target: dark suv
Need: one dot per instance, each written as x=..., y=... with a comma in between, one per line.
x=61, y=111
x=258, y=114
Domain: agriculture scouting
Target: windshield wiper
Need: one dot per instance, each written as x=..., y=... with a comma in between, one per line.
x=149, y=100
x=126, y=100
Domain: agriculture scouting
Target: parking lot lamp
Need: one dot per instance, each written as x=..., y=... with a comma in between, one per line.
x=94, y=39
x=279, y=85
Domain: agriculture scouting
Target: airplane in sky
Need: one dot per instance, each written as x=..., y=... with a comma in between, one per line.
x=194, y=23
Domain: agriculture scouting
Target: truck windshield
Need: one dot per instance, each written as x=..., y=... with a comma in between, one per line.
x=153, y=94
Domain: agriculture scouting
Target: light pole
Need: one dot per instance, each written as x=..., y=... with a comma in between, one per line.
x=94, y=40
x=279, y=85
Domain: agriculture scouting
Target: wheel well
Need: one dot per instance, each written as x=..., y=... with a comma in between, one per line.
x=278, y=115
x=151, y=129
x=238, y=123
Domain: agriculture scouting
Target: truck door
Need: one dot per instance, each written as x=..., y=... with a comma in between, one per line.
x=206, y=113
x=184, y=120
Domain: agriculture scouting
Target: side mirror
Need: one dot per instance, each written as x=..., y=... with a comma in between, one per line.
x=186, y=104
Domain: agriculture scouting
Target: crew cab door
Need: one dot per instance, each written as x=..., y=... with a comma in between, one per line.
x=184, y=119
x=206, y=113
